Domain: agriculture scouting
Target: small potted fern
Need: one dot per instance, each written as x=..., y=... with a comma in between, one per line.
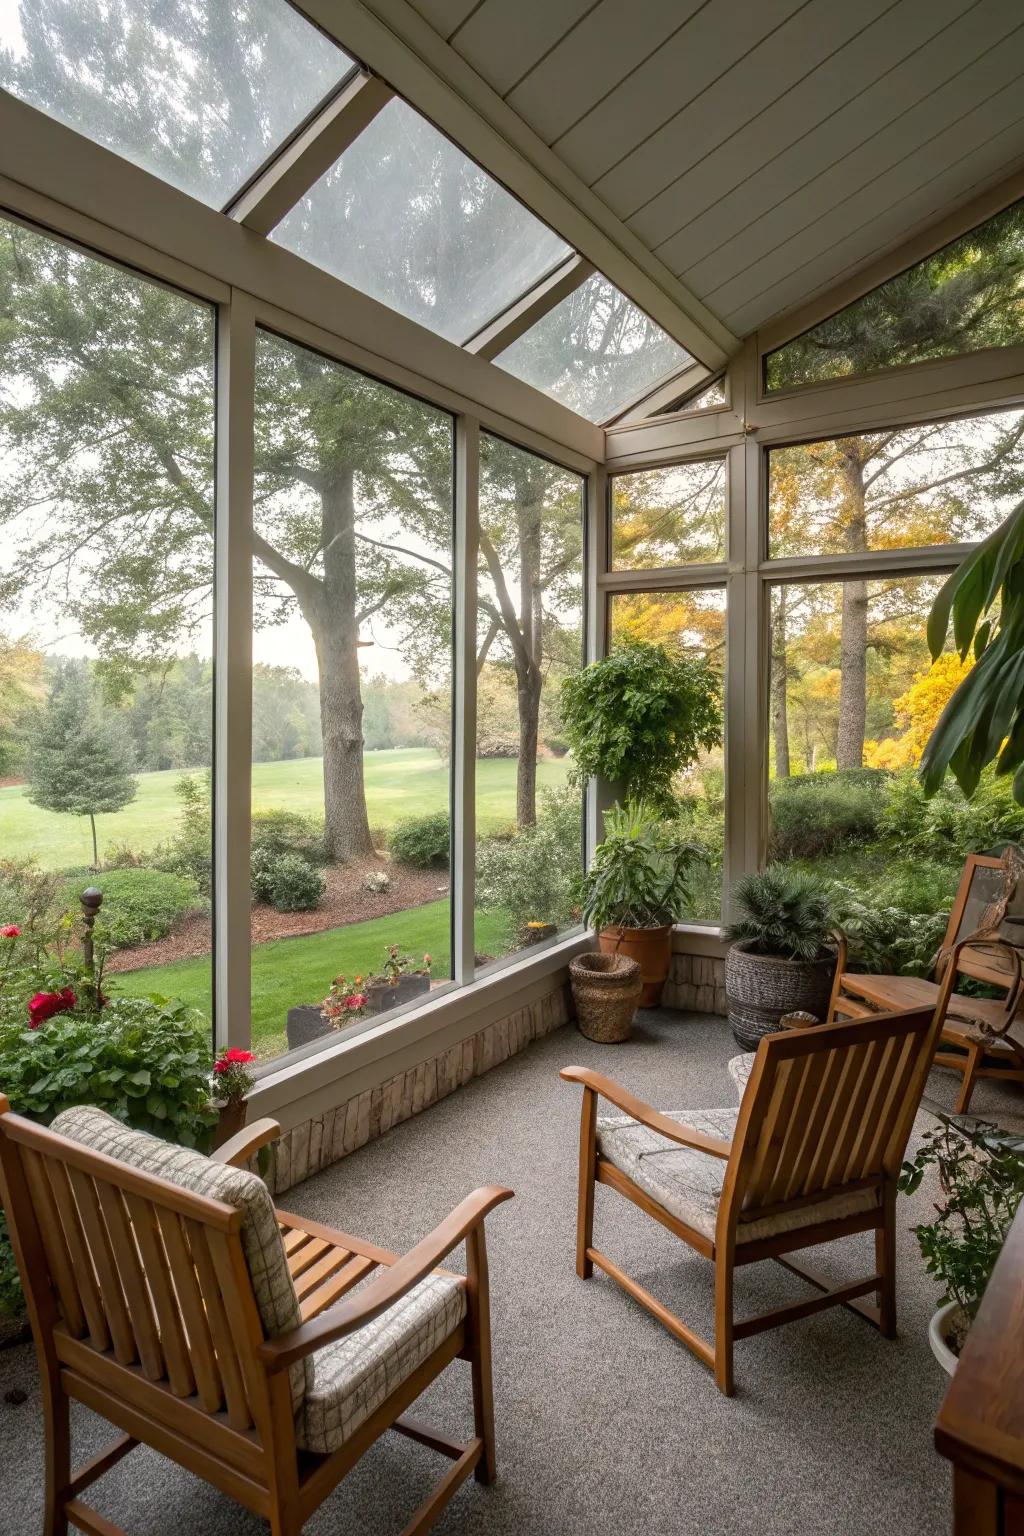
x=780, y=961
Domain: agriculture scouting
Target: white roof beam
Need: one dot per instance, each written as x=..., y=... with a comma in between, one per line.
x=517, y=319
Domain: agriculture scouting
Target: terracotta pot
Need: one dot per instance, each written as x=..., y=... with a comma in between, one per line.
x=651, y=948
x=232, y=1119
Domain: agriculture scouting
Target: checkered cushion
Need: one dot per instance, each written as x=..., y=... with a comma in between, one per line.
x=261, y=1237
x=352, y=1377
x=689, y=1183
x=740, y=1068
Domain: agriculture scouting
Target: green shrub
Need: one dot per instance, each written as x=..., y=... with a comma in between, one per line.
x=949, y=821
x=277, y=832
x=286, y=881
x=887, y=940
x=784, y=913
x=139, y=905
x=536, y=875
x=190, y=851
x=421, y=840
x=815, y=813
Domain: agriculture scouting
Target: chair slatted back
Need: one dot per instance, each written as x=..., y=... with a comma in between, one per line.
x=827, y=1109
x=144, y=1273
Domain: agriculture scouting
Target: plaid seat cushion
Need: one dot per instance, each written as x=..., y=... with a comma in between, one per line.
x=352, y=1377
x=261, y=1237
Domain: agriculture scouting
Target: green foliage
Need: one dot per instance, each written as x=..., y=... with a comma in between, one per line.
x=641, y=873
x=815, y=813
x=286, y=881
x=947, y=818
x=536, y=875
x=784, y=913
x=140, y=905
x=981, y=1176
x=423, y=841
x=887, y=939
x=276, y=832
x=640, y=716
x=984, y=720
x=190, y=851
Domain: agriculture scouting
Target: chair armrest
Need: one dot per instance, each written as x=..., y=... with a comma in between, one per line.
x=684, y=1135
x=386, y=1288
x=238, y=1149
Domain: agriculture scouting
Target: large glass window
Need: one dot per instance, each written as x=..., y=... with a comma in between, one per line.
x=967, y=296
x=351, y=698
x=106, y=575
x=692, y=621
x=595, y=351
x=198, y=92
x=529, y=637
x=942, y=483
x=667, y=517
x=409, y=219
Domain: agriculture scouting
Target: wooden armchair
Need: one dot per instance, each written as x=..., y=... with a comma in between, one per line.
x=812, y=1154
x=981, y=1037
x=166, y=1293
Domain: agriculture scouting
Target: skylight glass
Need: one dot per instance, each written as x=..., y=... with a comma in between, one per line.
x=595, y=351
x=199, y=93
x=407, y=218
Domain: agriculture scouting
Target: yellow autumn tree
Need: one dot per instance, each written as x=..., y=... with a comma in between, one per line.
x=917, y=712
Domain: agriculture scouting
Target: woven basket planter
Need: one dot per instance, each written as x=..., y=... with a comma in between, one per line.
x=762, y=989
x=606, y=990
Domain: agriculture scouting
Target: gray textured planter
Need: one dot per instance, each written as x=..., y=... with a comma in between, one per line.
x=761, y=989
x=305, y=1024
x=381, y=996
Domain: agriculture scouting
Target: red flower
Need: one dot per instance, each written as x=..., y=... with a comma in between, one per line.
x=45, y=1004
x=232, y=1058
x=355, y=1000
x=12, y=931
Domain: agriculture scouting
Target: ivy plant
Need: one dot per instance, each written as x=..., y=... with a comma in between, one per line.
x=641, y=715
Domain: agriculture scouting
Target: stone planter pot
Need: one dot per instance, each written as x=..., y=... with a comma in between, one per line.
x=762, y=989
x=381, y=996
x=938, y=1335
x=231, y=1121
x=651, y=948
x=305, y=1025
x=606, y=990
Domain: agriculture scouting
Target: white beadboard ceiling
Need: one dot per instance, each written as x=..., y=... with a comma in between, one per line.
x=762, y=151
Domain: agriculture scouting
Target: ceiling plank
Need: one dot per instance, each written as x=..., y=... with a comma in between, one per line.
x=503, y=44
x=445, y=15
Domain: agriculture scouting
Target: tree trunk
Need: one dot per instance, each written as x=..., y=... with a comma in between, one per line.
x=528, y=695
x=853, y=643
x=780, y=719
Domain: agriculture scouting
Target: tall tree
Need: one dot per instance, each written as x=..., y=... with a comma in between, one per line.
x=78, y=760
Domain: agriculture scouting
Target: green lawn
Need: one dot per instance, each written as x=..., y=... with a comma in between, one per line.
x=405, y=782
x=290, y=971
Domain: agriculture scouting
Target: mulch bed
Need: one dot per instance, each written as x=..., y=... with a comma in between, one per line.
x=346, y=901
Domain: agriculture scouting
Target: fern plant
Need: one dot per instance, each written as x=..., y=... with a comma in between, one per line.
x=784, y=913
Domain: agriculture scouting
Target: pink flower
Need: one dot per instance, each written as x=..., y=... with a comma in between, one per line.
x=355, y=1000
x=232, y=1058
x=45, y=1004
x=12, y=931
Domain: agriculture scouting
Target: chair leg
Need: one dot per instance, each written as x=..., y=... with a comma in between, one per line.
x=885, y=1264
x=480, y=1357
x=724, y=1324
x=972, y=1065
x=588, y=1164
x=57, y=1436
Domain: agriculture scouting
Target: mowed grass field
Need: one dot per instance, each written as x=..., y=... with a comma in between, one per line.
x=290, y=971
x=409, y=781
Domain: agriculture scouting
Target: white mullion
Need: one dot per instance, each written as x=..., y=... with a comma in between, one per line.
x=236, y=370
x=595, y=610
x=466, y=543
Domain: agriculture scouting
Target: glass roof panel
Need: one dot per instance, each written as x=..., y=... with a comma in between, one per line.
x=409, y=219
x=199, y=92
x=595, y=351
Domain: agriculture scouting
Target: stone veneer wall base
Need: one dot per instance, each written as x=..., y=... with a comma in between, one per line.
x=306, y=1149
x=696, y=984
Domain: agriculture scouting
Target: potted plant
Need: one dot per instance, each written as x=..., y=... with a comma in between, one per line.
x=637, y=887
x=780, y=961
x=232, y=1083
x=399, y=982
x=981, y=1179
x=344, y=1004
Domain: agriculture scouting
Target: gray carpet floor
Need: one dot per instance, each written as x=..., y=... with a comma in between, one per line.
x=605, y=1424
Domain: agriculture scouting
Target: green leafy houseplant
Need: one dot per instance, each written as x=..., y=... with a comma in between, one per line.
x=784, y=914
x=981, y=1177
x=640, y=716
x=640, y=874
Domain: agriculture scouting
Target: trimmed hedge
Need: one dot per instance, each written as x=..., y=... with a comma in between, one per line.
x=815, y=813
x=421, y=840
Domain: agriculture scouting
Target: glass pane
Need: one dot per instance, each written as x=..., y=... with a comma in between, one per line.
x=351, y=698
x=407, y=218
x=595, y=351
x=200, y=94
x=106, y=591
x=529, y=637
x=853, y=699
x=942, y=483
x=693, y=621
x=673, y=516
x=967, y=296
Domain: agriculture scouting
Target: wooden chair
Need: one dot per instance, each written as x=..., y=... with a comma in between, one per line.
x=982, y=1037
x=812, y=1154
x=150, y=1302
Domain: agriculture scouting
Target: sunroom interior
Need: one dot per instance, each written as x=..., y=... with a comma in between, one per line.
x=369, y=370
